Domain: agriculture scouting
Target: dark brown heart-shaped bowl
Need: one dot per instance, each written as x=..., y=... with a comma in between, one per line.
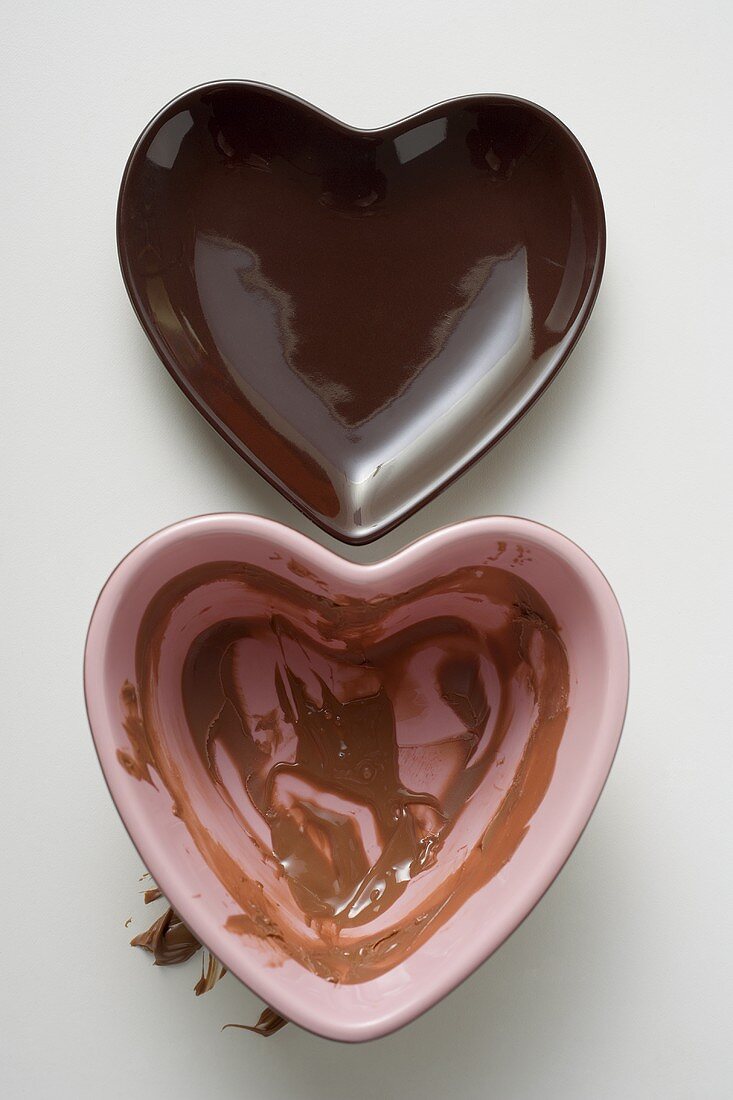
x=359, y=313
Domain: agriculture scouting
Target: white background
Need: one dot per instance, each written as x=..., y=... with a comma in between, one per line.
x=619, y=984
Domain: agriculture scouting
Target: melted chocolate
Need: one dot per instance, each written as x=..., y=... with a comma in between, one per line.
x=302, y=715
x=211, y=971
x=168, y=940
x=269, y=1023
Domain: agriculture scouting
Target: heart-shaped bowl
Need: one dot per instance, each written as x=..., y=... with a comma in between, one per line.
x=359, y=313
x=353, y=782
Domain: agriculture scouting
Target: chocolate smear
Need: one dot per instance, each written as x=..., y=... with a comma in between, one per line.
x=268, y=1024
x=303, y=714
x=168, y=940
x=211, y=972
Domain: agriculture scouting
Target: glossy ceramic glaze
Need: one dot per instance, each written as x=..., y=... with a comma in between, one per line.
x=359, y=313
x=293, y=612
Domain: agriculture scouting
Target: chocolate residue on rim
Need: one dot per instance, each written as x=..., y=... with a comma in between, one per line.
x=293, y=714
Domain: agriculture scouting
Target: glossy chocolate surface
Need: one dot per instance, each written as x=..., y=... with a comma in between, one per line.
x=359, y=313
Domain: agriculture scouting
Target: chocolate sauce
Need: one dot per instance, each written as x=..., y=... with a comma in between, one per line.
x=355, y=744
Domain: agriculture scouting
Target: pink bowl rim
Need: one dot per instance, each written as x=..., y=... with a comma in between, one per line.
x=261, y=980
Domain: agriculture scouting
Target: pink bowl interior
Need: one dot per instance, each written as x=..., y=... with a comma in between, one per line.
x=222, y=792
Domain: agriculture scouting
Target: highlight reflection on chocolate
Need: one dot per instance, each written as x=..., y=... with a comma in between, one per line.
x=380, y=760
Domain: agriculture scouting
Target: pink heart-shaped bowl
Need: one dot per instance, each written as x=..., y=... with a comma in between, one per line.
x=353, y=782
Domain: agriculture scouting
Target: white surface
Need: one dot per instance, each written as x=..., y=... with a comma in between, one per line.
x=619, y=984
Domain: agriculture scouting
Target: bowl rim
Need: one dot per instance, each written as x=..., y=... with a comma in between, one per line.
x=487, y=440
x=259, y=979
